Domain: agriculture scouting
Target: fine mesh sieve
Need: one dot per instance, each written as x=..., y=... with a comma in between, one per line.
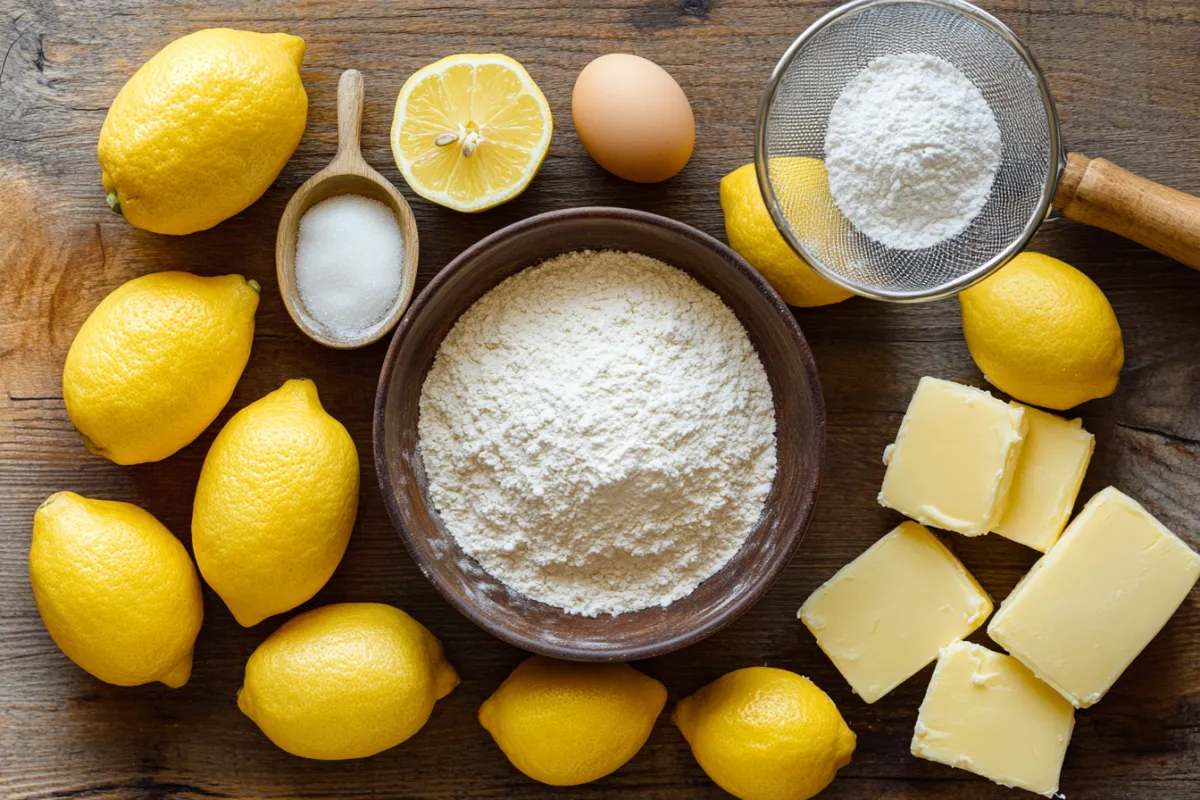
x=794, y=112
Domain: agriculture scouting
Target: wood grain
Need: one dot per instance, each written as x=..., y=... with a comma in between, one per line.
x=1124, y=76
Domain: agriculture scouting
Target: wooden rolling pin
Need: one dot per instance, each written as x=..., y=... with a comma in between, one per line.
x=1099, y=193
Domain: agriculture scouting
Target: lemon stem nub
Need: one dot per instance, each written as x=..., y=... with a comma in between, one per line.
x=88, y=443
x=254, y=285
x=114, y=202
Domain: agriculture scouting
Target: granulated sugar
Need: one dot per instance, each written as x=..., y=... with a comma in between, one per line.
x=912, y=149
x=599, y=433
x=349, y=255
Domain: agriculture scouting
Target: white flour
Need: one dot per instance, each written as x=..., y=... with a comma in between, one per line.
x=911, y=149
x=599, y=433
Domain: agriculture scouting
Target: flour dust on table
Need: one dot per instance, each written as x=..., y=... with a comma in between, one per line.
x=599, y=433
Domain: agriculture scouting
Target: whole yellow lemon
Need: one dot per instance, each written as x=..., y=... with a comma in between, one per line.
x=766, y=734
x=565, y=723
x=203, y=128
x=1043, y=332
x=117, y=592
x=345, y=681
x=752, y=232
x=275, y=503
x=156, y=362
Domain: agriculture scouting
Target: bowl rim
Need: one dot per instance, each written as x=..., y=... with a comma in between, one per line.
x=751, y=595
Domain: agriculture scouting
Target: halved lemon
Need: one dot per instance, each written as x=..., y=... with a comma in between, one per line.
x=471, y=131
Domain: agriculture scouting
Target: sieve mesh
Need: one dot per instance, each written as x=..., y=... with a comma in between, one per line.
x=795, y=111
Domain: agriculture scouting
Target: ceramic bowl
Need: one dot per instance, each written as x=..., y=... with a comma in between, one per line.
x=799, y=411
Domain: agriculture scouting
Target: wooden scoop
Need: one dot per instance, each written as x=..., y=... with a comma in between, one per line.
x=348, y=173
x=1098, y=192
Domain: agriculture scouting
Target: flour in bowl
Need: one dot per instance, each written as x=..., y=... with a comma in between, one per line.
x=599, y=433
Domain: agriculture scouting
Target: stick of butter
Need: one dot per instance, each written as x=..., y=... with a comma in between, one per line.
x=887, y=613
x=1049, y=472
x=1087, y=608
x=986, y=713
x=954, y=457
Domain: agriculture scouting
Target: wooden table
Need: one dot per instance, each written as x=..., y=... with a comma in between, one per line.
x=1125, y=77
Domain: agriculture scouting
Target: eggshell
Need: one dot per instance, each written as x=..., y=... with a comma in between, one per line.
x=633, y=118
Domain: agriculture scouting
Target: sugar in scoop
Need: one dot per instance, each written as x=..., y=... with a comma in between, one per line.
x=349, y=259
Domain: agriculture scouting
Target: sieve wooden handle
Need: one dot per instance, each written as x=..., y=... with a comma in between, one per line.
x=1098, y=192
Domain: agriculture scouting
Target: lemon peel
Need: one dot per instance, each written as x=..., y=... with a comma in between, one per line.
x=156, y=361
x=116, y=590
x=345, y=681
x=203, y=128
x=566, y=723
x=752, y=233
x=275, y=503
x=1043, y=332
x=766, y=734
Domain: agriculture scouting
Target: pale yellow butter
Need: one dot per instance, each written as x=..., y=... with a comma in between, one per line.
x=986, y=713
x=1053, y=460
x=885, y=615
x=1089, y=606
x=954, y=457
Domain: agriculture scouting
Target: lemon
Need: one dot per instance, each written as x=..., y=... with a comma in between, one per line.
x=345, y=681
x=1040, y=330
x=565, y=723
x=752, y=232
x=117, y=592
x=275, y=504
x=471, y=131
x=203, y=128
x=766, y=734
x=156, y=362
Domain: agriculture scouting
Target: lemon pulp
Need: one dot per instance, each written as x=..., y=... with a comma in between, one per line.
x=470, y=131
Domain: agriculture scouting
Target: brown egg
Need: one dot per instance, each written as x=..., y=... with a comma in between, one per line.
x=633, y=118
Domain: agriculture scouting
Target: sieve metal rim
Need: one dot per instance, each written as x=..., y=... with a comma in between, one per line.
x=1055, y=154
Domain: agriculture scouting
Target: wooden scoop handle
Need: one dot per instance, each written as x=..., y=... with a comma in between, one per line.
x=350, y=111
x=1098, y=192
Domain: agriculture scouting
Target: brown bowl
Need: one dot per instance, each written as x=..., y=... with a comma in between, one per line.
x=800, y=429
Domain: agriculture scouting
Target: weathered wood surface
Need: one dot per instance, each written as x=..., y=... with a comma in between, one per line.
x=1124, y=73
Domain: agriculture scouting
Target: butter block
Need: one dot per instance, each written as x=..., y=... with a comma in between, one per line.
x=954, y=457
x=1049, y=472
x=1087, y=608
x=986, y=713
x=887, y=613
